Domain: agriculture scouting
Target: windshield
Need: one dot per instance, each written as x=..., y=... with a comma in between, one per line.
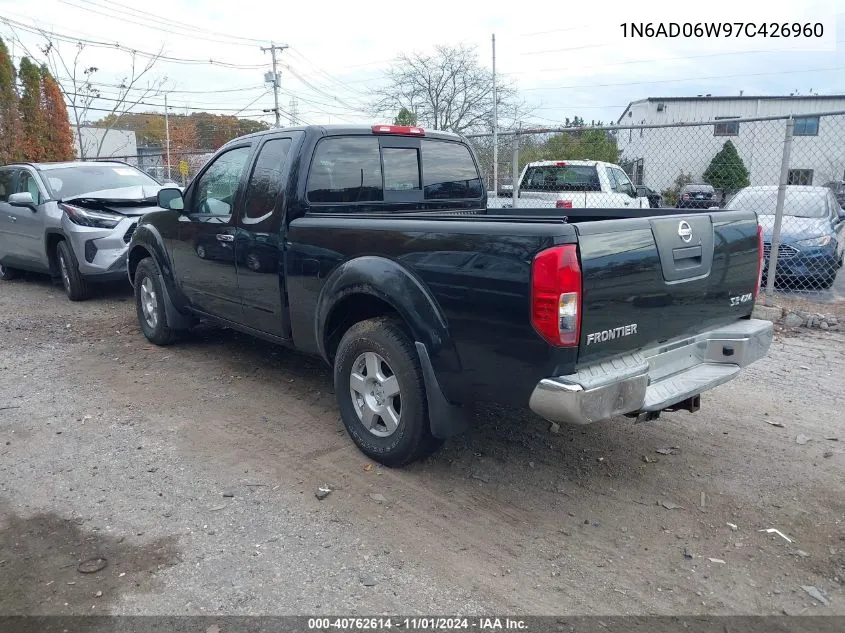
x=70, y=182
x=799, y=204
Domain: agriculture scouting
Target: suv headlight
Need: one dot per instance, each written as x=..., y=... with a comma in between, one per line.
x=89, y=217
x=822, y=240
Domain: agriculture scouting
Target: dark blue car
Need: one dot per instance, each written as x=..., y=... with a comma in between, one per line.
x=812, y=235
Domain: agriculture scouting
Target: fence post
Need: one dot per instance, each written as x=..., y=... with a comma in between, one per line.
x=515, y=169
x=784, y=177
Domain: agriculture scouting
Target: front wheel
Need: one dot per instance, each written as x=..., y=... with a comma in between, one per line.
x=7, y=274
x=149, y=304
x=381, y=393
x=76, y=288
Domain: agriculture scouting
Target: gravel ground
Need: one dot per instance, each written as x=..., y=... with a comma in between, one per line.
x=192, y=470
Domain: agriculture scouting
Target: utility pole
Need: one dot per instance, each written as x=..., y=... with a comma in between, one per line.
x=276, y=79
x=167, y=134
x=495, y=126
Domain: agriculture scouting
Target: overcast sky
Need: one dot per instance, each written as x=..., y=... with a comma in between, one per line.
x=566, y=59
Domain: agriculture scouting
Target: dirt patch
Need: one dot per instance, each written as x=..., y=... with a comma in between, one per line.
x=52, y=564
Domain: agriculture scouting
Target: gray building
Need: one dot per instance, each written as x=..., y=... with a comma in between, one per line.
x=660, y=154
x=95, y=142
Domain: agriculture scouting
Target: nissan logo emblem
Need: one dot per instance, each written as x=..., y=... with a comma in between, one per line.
x=685, y=231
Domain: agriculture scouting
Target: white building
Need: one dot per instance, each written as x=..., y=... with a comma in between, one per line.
x=659, y=155
x=95, y=142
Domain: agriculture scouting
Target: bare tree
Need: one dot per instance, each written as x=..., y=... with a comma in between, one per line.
x=448, y=90
x=78, y=86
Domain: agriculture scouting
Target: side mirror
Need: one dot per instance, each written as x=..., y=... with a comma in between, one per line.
x=23, y=199
x=170, y=198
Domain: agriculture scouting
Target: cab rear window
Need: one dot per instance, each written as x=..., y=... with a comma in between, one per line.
x=561, y=178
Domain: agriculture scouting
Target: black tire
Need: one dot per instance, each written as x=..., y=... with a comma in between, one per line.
x=7, y=274
x=412, y=439
x=148, y=280
x=76, y=288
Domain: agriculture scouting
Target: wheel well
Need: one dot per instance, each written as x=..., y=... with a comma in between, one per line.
x=53, y=240
x=351, y=310
x=135, y=256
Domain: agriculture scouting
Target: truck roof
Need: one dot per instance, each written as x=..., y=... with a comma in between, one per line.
x=347, y=130
x=577, y=163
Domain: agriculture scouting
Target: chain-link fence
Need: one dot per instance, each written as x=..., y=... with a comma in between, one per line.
x=181, y=167
x=790, y=170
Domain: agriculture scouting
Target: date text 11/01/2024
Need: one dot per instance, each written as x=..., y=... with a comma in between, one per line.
x=723, y=29
x=417, y=624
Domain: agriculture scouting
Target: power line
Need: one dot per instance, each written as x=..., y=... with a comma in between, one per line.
x=326, y=74
x=659, y=59
x=317, y=89
x=115, y=45
x=687, y=78
x=121, y=96
x=169, y=21
x=251, y=103
x=137, y=21
x=156, y=105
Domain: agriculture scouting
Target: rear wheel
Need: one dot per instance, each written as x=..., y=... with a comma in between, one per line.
x=381, y=394
x=76, y=288
x=7, y=274
x=149, y=304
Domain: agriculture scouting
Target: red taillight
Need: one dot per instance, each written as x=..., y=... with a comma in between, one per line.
x=556, y=295
x=406, y=130
x=760, y=258
x=560, y=164
x=686, y=196
x=563, y=204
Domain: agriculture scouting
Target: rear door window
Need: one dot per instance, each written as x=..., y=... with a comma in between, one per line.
x=266, y=181
x=449, y=171
x=345, y=170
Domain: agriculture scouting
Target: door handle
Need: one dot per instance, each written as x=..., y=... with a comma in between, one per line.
x=627, y=204
x=13, y=218
x=225, y=237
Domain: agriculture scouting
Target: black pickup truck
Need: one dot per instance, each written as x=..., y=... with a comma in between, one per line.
x=373, y=248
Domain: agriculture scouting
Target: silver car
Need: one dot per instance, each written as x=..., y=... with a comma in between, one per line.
x=71, y=220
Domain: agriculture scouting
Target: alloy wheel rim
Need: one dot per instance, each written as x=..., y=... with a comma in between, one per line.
x=149, y=302
x=376, y=395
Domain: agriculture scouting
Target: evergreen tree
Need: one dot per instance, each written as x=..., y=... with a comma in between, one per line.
x=405, y=117
x=726, y=172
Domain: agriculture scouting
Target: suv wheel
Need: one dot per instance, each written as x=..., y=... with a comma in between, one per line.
x=76, y=288
x=381, y=394
x=7, y=274
x=149, y=303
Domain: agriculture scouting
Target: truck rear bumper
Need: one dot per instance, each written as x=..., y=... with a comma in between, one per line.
x=652, y=379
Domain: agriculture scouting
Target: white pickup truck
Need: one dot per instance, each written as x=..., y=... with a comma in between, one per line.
x=571, y=184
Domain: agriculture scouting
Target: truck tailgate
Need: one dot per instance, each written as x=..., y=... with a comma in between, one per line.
x=649, y=280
